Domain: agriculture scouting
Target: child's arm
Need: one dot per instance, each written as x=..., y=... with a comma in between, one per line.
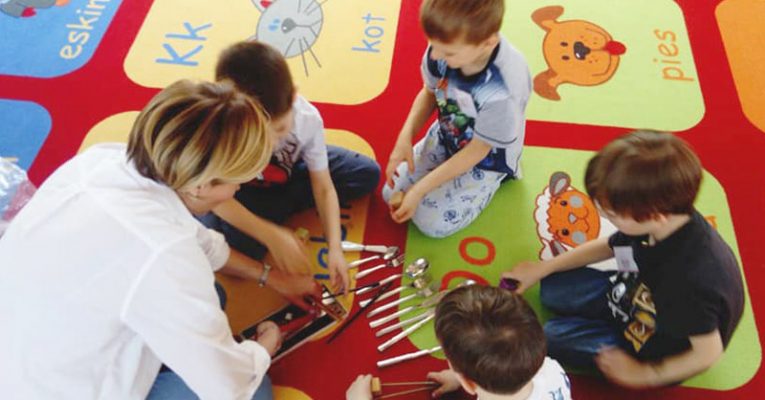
x=625, y=370
x=528, y=273
x=422, y=107
x=447, y=381
x=284, y=246
x=461, y=162
x=327, y=204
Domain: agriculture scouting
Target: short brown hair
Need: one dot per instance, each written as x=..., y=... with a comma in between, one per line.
x=643, y=174
x=472, y=20
x=491, y=336
x=196, y=133
x=260, y=71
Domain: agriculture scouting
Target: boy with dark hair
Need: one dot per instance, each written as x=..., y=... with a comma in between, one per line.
x=480, y=85
x=303, y=171
x=495, y=347
x=670, y=310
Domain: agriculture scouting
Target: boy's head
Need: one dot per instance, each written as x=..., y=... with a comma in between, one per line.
x=471, y=21
x=461, y=31
x=644, y=175
x=491, y=337
x=261, y=71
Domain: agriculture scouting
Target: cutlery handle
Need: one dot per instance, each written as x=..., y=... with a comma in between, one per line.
x=369, y=271
x=356, y=263
x=404, y=333
x=409, y=356
x=392, y=292
x=376, y=248
x=383, y=320
x=391, y=328
x=390, y=305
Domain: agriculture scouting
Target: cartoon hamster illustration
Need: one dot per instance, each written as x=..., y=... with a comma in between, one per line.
x=567, y=218
x=291, y=26
x=26, y=8
x=576, y=51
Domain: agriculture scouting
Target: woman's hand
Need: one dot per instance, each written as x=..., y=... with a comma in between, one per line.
x=269, y=336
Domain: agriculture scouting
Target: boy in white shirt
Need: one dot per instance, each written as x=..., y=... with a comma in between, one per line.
x=303, y=171
x=495, y=347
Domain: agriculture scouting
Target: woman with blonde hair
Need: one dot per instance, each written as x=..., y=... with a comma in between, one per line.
x=106, y=275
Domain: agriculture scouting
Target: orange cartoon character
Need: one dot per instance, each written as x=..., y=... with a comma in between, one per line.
x=566, y=217
x=576, y=51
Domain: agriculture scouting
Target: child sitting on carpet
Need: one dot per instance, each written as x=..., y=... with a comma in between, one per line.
x=301, y=172
x=495, y=347
x=672, y=306
x=480, y=85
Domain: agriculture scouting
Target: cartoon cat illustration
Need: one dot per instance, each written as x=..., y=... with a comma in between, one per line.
x=567, y=218
x=291, y=26
x=26, y=8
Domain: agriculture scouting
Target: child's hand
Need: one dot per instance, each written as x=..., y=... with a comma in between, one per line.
x=338, y=270
x=408, y=206
x=288, y=252
x=448, y=381
x=269, y=336
x=624, y=370
x=402, y=152
x=526, y=273
x=360, y=389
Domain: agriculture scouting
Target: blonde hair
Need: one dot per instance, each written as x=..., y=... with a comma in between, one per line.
x=192, y=133
x=470, y=20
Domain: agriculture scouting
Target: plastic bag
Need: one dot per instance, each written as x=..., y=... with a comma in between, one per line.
x=15, y=191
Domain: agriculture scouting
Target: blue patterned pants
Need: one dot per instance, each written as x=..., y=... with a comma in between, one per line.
x=453, y=205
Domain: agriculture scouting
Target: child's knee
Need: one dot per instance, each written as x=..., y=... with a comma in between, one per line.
x=368, y=175
x=433, y=223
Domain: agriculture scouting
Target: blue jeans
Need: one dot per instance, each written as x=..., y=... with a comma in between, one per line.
x=170, y=386
x=354, y=175
x=585, y=323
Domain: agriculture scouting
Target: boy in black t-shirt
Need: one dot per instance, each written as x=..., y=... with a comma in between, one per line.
x=672, y=306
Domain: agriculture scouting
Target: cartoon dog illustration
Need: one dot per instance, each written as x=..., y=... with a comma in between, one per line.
x=576, y=51
x=26, y=8
x=567, y=218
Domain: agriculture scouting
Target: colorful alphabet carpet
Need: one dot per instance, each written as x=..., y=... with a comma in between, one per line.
x=76, y=72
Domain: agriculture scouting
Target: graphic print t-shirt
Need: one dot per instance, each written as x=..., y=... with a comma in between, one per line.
x=305, y=141
x=489, y=105
x=688, y=284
